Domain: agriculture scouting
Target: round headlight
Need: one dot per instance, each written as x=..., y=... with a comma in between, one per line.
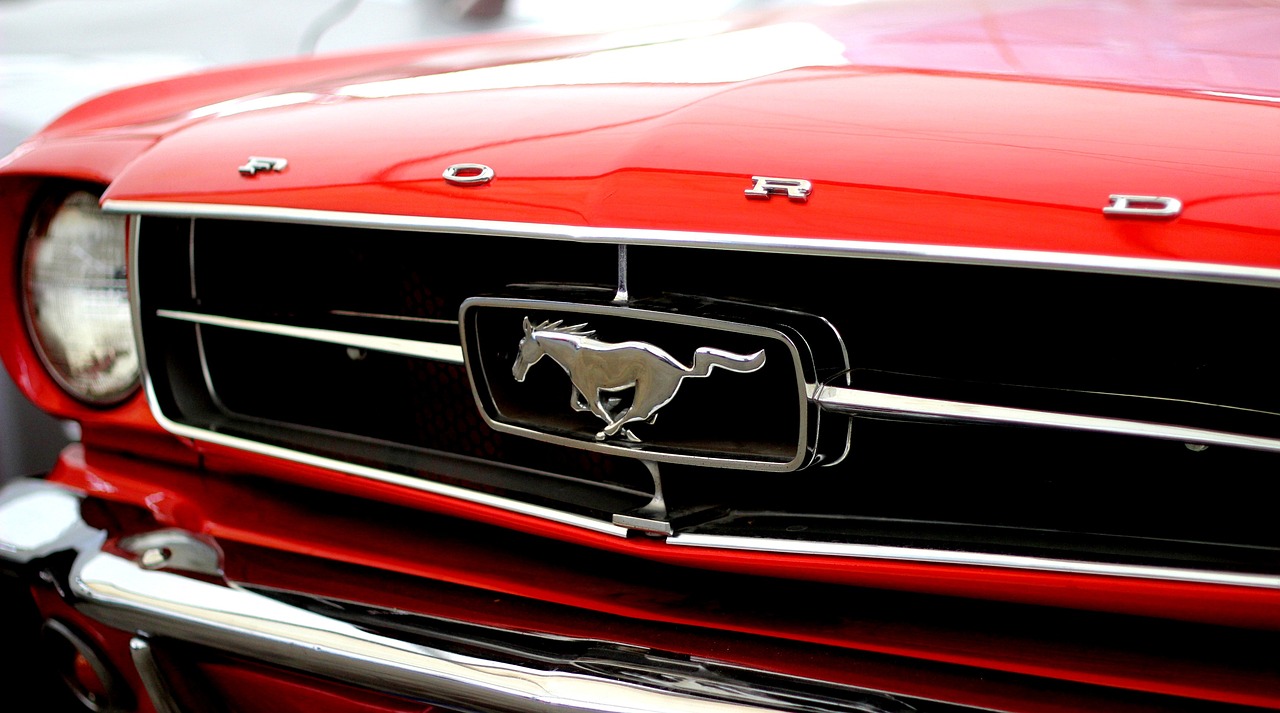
x=77, y=298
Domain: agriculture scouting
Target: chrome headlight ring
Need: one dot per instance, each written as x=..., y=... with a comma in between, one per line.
x=75, y=298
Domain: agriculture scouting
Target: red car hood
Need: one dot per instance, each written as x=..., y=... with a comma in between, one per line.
x=935, y=123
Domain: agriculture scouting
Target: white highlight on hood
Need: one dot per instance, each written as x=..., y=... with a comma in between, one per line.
x=730, y=57
x=258, y=103
x=1236, y=95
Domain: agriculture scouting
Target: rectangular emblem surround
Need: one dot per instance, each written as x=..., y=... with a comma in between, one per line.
x=762, y=420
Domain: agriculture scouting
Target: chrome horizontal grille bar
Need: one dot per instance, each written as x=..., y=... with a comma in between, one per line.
x=975, y=559
x=831, y=398
x=1183, y=270
x=855, y=401
x=449, y=353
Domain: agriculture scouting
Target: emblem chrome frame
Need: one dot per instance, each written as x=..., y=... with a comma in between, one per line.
x=805, y=452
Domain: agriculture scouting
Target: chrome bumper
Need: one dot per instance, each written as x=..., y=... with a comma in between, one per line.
x=147, y=591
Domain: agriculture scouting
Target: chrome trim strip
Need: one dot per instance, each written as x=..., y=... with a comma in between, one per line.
x=393, y=317
x=191, y=258
x=206, y=374
x=974, y=559
x=382, y=476
x=622, y=295
x=152, y=680
x=119, y=593
x=435, y=351
x=1008, y=257
x=855, y=401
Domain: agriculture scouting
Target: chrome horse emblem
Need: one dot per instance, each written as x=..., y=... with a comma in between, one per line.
x=598, y=370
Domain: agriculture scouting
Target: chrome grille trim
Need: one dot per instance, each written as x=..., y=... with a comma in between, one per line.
x=393, y=317
x=854, y=401
x=382, y=476
x=153, y=681
x=974, y=559
x=449, y=353
x=828, y=397
x=1006, y=257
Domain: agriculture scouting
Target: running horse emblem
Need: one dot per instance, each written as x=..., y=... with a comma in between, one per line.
x=598, y=370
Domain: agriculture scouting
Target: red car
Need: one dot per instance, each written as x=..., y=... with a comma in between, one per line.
x=886, y=357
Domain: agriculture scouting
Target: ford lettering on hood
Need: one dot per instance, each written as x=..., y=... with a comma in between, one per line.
x=889, y=356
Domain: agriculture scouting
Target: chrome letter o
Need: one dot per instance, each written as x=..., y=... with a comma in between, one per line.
x=468, y=174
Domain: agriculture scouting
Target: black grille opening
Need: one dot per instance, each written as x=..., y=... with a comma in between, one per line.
x=311, y=272
x=1141, y=348
x=1163, y=351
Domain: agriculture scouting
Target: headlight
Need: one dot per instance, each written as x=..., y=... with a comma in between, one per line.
x=76, y=298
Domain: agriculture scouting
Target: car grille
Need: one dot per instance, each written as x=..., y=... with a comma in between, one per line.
x=248, y=333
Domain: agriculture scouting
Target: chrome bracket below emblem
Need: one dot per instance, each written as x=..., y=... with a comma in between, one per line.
x=797, y=189
x=656, y=519
x=1143, y=206
x=468, y=174
x=263, y=163
x=599, y=370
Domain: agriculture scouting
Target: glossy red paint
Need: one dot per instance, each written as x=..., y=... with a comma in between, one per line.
x=678, y=157
x=91, y=159
x=243, y=686
x=897, y=153
x=262, y=545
